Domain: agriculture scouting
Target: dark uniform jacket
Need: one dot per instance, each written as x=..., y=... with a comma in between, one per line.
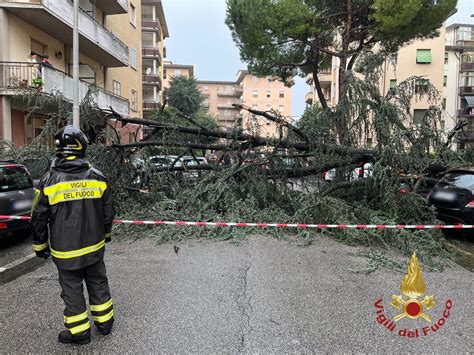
x=74, y=200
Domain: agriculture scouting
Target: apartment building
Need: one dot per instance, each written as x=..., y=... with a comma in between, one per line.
x=262, y=94
x=171, y=70
x=423, y=58
x=110, y=58
x=155, y=30
x=458, y=93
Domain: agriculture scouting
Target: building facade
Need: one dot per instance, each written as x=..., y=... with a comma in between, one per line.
x=458, y=94
x=110, y=57
x=171, y=70
x=422, y=58
x=262, y=94
x=155, y=30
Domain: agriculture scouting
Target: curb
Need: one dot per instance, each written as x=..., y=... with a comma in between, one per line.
x=20, y=267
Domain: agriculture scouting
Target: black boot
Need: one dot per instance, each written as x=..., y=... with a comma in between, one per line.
x=105, y=328
x=82, y=338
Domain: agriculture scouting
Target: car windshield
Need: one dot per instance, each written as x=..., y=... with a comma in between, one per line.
x=461, y=180
x=194, y=162
x=14, y=178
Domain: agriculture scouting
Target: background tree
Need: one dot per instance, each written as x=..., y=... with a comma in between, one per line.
x=184, y=95
x=286, y=38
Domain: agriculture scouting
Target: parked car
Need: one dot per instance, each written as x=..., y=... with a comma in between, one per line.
x=16, y=196
x=453, y=197
x=188, y=161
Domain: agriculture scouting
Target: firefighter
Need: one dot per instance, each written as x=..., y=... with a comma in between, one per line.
x=74, y=203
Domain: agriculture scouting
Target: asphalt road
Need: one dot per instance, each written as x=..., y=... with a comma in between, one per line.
x=262, y=296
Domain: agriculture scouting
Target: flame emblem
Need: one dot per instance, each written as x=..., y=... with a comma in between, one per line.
x=413, y=286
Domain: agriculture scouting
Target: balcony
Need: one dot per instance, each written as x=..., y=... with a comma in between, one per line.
x=151, y=53
x=112, y=7
x=152, y=80
x=55, y=17
x=466, y=113
x=466, y=90
x=151, y=25
x=226, y=107
x=16, y=77
x=309, y=97
x=467, y=67
x=151, y=106
x=234, y=93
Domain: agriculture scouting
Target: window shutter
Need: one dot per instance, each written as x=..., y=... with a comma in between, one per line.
x=133, y=58
x=423, y=56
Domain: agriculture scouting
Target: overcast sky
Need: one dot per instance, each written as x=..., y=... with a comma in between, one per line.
x=199, y=36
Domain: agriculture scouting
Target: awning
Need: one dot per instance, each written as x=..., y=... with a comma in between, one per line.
x=423, y=56
x=469, y=101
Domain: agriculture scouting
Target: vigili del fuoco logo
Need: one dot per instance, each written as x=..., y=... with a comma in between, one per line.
x=412, y=305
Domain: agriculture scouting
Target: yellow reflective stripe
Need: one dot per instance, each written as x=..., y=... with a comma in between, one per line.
x=108, y=234
x=72, y=157
x=76, y=318
x=39, y=247
x=35, y=200
x=103, y=319
x=75, y=190
x=101, y=307
x=78, y=194
x=78, y=252
x=80, y=328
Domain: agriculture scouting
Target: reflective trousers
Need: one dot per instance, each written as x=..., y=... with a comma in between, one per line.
x=76, y=318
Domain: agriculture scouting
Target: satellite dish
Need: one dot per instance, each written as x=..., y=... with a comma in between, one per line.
x=148, y=71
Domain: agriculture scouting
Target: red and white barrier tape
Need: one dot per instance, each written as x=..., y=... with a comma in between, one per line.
x=280, y=225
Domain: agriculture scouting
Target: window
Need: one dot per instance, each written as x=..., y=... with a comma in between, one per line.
x=227, y=113
x=445, y=80
x=134, y=100
x=164, y=73
x=133, y=58
x=269, y=107
x=443, y=105
x=133, y=15
x=131, y=137
x=255, y=93
x=255, y=106
x=421, y=86
x=423, y=56
x=218, y=89
x=394, y=59
x=369, y=143
x=254, y=79
x=446, y=57
x=206, y=88
x=116, y=87
x=281, y=95
x=269, y=94
x=177, y=72
x=281, y=108
x=393, y=84
x=38, y=49
x=418, y=116
x=443, y=125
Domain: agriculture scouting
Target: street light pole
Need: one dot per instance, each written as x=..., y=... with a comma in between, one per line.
x=75, y=67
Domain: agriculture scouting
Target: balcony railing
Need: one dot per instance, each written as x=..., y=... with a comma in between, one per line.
x=464, y=90
x=151, y=25
x=18, y=76
x=466, y=113
x=233, y=93
x=467, y=66
x=150, y=106
x=152, y=79
x=55, y=17
x=150, y=52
